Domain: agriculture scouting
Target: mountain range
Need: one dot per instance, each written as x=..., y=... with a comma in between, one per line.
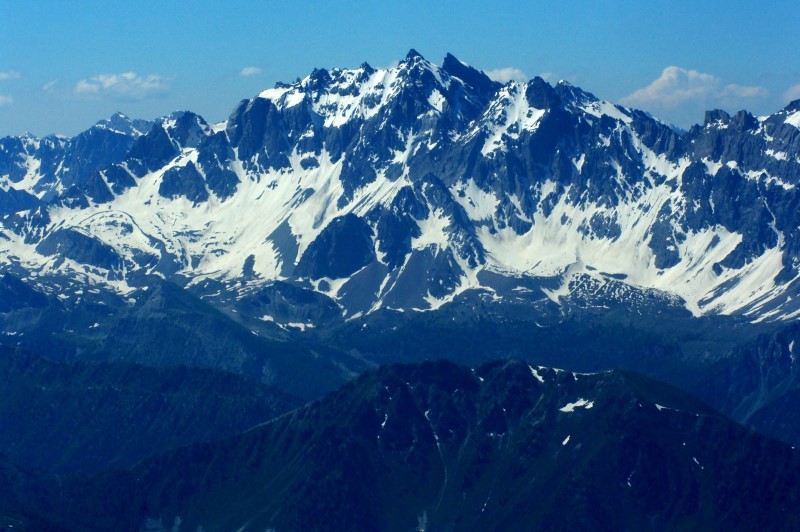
x=405, y=188
x=173, y=291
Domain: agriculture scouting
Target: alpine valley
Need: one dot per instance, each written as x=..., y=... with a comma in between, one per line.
x=336, y=226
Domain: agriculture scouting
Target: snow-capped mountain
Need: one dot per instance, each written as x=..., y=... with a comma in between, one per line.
x=406, y=188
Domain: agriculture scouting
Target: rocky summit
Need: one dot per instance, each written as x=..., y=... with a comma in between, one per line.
x=408, y=187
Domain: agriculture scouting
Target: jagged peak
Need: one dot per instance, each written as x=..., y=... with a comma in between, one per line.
x=568, y=91
x=176, y=115
x=451, y=60
x=117, y=117
x=414, y=63
x=716, y=115
x=319, y=80
x=182, y=118
x=413, y=55
x=793, y=106
x=578, y=100
x=366, y=67
x=745, y=120
x=541, y=94
x=320, y=74
x=184, y=128
x=477, y=79
x=350, y=80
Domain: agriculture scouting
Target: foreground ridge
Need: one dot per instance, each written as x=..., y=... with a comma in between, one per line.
x=505, y=445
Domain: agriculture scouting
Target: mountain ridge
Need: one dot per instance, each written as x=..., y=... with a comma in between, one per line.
x=68, y=418
x=454, y=174
x=441, y=445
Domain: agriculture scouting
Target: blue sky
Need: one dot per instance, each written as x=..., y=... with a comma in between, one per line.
x=65, y=65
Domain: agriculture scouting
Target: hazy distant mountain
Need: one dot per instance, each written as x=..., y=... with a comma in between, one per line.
x=78, y=417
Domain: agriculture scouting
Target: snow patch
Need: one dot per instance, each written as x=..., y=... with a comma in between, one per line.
x=536, y=374
x=793, y=119
x=580, y=403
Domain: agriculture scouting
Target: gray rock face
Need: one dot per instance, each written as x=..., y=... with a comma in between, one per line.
x=344, y=247
x=70, y=244
x=184, y=181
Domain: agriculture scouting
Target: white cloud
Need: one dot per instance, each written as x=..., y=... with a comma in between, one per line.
x=128, y=85
x=677, y=86
x=249, y=71
x=743, y=91
x=10, y=74
x=792, y=93
x=5, y=100
x=504, y=75
x=50, y=85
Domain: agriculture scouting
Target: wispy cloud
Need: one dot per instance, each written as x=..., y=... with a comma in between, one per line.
x=5, y=100
x=682, y=95
x=50, y=85
x=127, y=85
x=792, y=93
x=250, y=71
x=9, y=74
x=677, y=86
x=506, y=74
